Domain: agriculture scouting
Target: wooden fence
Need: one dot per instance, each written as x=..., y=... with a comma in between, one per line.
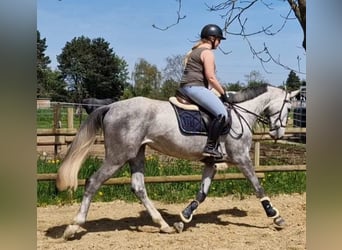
x=260, y=172
x=64, y=136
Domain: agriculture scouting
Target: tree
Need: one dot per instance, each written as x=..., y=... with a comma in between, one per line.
x=49, y=83
x=92, y=69
x=299, y=9
x=42, y=67
x=293, y=82
x=169, y=89
x=174, y=68
x=254, y=78
x=172, y=75
x=147, y=79
x=128, y=92
x=233, y=86
x=55, y=87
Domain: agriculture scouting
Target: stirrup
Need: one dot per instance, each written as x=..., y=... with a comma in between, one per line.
x=212, y=153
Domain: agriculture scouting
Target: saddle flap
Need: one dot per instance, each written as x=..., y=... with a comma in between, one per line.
x=175, y=101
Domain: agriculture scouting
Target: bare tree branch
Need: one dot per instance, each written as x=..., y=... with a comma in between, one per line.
x=224, y=52
x=286, y=18
x=235, y=12
x=179, y=18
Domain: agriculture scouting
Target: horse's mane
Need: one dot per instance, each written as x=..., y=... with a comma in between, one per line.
x=248, y=93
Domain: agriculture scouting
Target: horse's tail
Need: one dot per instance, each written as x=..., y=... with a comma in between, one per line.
x=67, y=176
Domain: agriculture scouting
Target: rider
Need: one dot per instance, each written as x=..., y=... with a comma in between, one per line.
x=197, y=80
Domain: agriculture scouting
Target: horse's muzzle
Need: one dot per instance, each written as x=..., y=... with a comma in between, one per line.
x=277, y=133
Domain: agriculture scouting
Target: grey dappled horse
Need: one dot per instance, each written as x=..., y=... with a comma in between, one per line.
x=131, y=124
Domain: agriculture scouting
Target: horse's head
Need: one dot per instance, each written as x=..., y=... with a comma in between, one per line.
x=277, y=112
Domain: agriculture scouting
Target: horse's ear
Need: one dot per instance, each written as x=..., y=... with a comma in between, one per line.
x=294, y=93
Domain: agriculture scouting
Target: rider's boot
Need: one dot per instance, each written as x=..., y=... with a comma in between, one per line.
x=214, y=132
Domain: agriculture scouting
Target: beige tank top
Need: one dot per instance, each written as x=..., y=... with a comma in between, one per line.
x=193, y=74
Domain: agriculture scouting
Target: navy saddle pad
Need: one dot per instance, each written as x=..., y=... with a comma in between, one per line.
x=192, y=122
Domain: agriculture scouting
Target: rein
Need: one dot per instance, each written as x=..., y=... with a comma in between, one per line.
x=234, y=107
x=260, y=118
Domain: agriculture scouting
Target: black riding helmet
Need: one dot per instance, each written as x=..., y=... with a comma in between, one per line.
x=212, y=30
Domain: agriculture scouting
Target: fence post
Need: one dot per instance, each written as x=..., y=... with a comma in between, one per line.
x=257, y=154
x=56, y=125
x=70, y=117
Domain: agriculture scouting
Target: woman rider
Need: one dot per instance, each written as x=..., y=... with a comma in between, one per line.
x=197, y=80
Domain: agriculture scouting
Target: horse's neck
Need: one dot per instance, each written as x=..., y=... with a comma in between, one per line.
x=256, y=106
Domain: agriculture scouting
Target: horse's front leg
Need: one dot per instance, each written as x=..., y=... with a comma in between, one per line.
x=271, y=212
x=207, y=176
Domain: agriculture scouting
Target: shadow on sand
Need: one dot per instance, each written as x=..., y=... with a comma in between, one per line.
x=143, y=220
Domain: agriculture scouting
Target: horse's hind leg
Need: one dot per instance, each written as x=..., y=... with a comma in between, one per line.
x=207, y=177
x=138, y=187
x=92, y=185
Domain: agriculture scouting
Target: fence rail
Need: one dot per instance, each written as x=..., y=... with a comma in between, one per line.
x=156, y=179
x=260, y=172
x=67, y=132
x=64, y=136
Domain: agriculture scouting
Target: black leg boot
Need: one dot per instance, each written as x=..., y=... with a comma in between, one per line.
x=214, y=132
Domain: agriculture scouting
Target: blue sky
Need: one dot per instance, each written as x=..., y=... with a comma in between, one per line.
x=127, y=26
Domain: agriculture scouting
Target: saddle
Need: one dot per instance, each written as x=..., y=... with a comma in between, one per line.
x=192, y=119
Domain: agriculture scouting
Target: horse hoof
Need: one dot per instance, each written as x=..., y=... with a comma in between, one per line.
x=186, y=214
x=70, y=231
x=167, y=230
x=279, y=221
x=179, y=226
x=185, y=218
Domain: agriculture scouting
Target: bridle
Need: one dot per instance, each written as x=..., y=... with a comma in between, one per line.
x=262, y=119
x=279, y=117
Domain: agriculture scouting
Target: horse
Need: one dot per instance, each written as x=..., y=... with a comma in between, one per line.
x=132, y=124
x=90, y=104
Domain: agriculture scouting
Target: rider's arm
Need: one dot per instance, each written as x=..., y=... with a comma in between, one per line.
x=208, y=60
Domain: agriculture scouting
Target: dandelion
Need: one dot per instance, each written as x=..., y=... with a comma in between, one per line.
x=100, y=193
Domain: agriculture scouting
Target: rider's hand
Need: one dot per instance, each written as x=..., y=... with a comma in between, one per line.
x=224, y=98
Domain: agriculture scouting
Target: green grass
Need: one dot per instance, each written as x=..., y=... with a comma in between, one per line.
x=45, y=118
x=273, y=183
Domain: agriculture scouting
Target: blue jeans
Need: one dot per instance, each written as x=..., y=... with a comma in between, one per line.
x=207, y=100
